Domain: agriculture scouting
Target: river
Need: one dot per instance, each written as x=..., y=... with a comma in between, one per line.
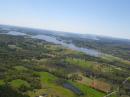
x=52, y=39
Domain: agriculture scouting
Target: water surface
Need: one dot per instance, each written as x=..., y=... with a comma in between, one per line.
x=52, y=39
x=91, y=52
x=15, y=33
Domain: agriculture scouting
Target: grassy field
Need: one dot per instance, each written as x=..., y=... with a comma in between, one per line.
x=85, y=80
x=88, y=91
x=98, y=84
x=1, y=82
x=20, y=68
x=18, y=83
x=89, y=64
x=52, y=89
x=80, y=62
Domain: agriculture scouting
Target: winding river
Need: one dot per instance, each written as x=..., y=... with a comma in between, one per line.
x=52, y=39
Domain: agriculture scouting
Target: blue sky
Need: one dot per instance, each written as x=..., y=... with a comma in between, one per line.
x=102, y=17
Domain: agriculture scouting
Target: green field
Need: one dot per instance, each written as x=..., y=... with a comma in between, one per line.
x=20, y=68
x=89, y=92
x=50, y=87
x=18, y=83
x=1, y=82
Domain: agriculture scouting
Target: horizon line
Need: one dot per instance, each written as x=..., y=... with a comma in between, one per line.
x=59, y=31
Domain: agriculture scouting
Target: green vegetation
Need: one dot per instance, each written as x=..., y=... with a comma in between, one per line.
x=19, y=83
x=79, y=62
x=1, y=82
x=88, y=91
x=116, y=47
x=20, y=68
x=31, y=67
x=47, y=77
x=50, y=86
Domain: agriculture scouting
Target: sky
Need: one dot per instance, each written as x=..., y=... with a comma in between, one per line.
x=100, y=17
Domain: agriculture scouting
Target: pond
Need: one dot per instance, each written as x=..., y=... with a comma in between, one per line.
x=72, y=88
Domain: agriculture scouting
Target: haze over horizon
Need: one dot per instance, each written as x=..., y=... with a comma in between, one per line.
x=100, y=17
